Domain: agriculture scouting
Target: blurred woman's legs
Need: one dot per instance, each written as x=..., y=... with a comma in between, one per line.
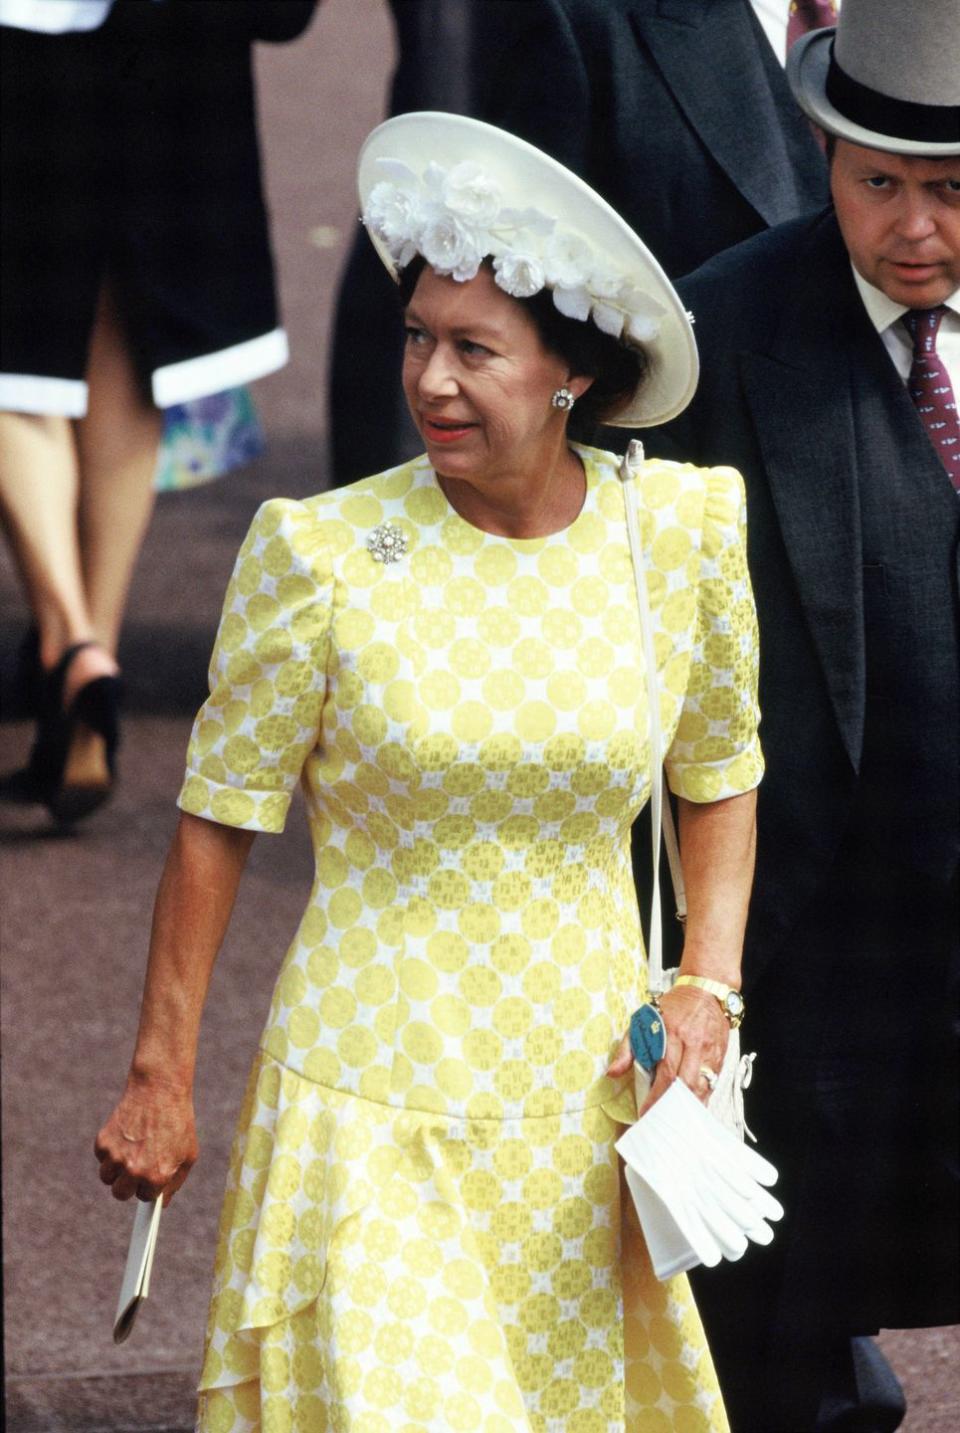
x=76, y=499
x=117, y=444
x=39, y=486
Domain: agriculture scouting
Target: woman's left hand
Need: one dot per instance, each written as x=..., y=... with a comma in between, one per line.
x=697, y=1035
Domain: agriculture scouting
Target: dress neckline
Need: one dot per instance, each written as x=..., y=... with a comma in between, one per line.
x=529, y=544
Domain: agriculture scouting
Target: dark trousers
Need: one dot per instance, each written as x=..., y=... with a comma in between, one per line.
x=783, y=1380
x=855, y=1101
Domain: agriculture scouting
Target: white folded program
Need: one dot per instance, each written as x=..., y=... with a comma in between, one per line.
x=138, y=1267
x=701, y=1194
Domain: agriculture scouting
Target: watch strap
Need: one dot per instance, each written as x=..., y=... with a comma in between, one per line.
x=729, y=998
x=715, y=987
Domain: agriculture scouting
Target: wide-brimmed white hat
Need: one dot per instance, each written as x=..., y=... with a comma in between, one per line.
x=458, y=191
x=886, y=77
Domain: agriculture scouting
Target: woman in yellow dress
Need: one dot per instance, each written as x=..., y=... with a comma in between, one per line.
x=424, y=1226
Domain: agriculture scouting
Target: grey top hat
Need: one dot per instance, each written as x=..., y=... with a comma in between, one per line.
x=887, y=77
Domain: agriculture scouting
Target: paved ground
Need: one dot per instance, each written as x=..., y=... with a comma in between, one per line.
x=76, y=910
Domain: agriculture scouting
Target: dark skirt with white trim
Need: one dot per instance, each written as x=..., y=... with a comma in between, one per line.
x=129, y=156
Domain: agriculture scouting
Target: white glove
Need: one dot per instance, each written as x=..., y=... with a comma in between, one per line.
x=733, y=1205
x=698, y=1190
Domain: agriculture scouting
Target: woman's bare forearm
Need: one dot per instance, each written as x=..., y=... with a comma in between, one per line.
x=718, y=846
x=194, y=902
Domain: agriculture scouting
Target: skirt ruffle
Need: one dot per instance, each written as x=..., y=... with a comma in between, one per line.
x=382, y=1270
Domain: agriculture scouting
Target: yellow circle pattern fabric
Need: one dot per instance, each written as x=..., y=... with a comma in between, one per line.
x=469, y=726
x=388, y=1271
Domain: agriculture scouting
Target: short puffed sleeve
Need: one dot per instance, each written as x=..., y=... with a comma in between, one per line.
x=716, y=750
x=268, y=676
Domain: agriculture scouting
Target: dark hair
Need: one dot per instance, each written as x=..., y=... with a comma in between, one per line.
x=616, y=369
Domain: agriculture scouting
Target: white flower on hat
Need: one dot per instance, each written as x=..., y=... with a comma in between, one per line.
x=471, y=195
x=450, y=247
x=605, y=284
x=641, y=329
x=568, y=260
x=644, y=313
x=434, y=178
x=520, y=275
x=391, y=213
x=572, y=302
x=455, y=218
x=607, y=318
x=397, y=171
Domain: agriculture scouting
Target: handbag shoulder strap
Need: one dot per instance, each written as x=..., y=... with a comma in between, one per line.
x=661, y=817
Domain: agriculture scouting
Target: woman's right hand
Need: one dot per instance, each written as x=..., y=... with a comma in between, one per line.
x=149, y=1144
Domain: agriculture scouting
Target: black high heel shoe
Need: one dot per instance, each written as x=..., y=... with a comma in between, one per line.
x=73, y=763
x=28, y=675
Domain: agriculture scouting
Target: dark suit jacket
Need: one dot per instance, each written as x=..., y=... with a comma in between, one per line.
x=677, y=111
x=798, y=392
x=852, y=942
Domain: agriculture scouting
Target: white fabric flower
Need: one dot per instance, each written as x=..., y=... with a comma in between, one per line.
x=568, y=260
x=471, y=195
x=391, y=213
x=455, y=218
x=404, y=254
x=605, y=284
x=520, y=275
x=608, y=319
x=451, y=248
x=644, y=313
x=397, y=172
x=573, y=302
x=434, y=178
x=642, y=329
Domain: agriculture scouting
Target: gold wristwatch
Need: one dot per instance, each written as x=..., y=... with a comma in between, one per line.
x=731, y=1001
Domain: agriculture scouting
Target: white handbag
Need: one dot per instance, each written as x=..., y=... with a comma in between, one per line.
x=700, y=1193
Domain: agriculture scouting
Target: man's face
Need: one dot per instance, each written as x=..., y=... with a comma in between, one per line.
x=900, y=220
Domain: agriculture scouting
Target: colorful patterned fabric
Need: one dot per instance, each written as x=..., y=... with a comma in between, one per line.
x=424, y=1225
x=206, y=439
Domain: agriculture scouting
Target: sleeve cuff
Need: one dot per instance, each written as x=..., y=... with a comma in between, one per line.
x=718, y=780
x=246, y=810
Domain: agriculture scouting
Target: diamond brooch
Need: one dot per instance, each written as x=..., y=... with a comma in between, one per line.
x=387, y=543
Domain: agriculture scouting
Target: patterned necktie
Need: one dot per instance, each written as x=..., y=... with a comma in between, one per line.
x=929, y=386
x=805, y=15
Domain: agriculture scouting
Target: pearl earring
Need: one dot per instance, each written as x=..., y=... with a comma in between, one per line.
x=563, y=399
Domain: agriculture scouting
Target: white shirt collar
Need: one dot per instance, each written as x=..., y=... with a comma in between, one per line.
x=883, y=311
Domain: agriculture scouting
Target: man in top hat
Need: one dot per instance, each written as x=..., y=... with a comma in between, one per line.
x=830, y=351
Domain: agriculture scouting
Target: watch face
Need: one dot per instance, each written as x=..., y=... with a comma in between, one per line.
x=734, y=1002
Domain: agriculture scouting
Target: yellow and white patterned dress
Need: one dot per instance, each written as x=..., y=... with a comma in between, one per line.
x=424, y=1226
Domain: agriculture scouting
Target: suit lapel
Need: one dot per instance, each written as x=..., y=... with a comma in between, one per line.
x=731, y=88
x=800, y=398
x=891, y=437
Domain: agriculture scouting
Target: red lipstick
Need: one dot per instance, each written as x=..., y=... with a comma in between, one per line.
x=444, y=431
